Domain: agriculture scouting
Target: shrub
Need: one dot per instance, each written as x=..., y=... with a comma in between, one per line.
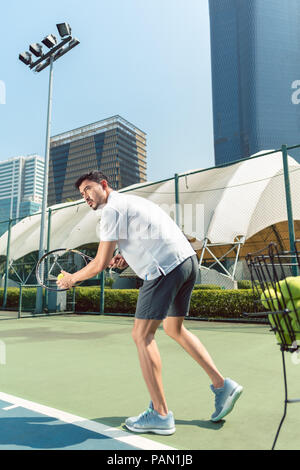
x=207, y=303
x=244, y=284
x=204, y=302
x=207, y=286
x=109, y=282
x=116, y=300
x=222, y=303
x=28, y=297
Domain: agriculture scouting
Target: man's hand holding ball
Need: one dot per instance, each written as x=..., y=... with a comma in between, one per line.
x=65, y=280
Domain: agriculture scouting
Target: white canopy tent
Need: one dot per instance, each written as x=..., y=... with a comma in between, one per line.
x=218, y=206
x=237, y=200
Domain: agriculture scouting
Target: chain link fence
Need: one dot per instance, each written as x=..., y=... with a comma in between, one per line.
x=226, y=212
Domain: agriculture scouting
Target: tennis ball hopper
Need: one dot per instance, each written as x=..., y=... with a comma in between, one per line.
x=275, y=277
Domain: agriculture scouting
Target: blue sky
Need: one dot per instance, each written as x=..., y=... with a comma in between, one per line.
x=147, y=60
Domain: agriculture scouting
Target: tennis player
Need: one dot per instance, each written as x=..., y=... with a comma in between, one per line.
x=153, y=245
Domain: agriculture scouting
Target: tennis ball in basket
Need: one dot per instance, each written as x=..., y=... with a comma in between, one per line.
x=60, y=276
x=296, y=328
x=277, y=286
x=274, y=299
x=295, y=316
x=290, y=305
x=280, y=328
x=289, y=326
x=285, y=326
x=291, y=284
x=274, y=324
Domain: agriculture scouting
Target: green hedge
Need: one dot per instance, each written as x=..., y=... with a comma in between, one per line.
x=116, y=300
x=209, y=303
x=244, y=284
x=28, y=297
x=223, y=303
x=207, y=286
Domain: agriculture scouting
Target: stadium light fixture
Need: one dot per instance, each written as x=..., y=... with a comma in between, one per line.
x=26, y=58
x=64, y=29
x=43, y=61
x=50, y=41
x=36, y=49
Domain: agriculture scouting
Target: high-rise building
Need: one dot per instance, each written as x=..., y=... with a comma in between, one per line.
x=114, y=146
x=21, y=187
x=255, y=63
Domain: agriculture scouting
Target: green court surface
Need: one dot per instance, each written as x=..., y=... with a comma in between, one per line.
x=88, y=366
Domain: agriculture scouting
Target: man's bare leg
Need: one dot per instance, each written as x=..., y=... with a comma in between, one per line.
x=150, y=361
x=173, y=326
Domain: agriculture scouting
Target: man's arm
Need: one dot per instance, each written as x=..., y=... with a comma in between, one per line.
x=99, y=263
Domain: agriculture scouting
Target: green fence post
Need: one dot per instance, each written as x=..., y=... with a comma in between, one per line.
x=48, y=249
x=20, y=301
x=73, y=300
x=102, y=284
x=177, y=213
x=7, y=264
x=289, y=204
x=49, y=229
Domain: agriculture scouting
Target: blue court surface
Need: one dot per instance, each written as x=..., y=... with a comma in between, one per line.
x=29, y=426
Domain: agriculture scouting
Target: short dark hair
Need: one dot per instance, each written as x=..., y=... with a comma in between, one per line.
x=93, y=175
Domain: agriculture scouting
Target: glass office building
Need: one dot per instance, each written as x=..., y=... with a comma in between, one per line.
x=21, y=188
x=255, y=63
x=114, y=146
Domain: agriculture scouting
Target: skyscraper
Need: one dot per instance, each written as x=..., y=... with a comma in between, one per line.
x=255, y=62
x=113, y=145
x=21, y=187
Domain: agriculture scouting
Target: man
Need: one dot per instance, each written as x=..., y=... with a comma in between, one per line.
x=156, y=249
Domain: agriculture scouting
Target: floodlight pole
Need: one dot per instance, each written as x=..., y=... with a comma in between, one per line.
x=44, y=60
x=39, y=293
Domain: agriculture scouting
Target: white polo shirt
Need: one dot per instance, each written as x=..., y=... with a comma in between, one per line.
x=149, y=240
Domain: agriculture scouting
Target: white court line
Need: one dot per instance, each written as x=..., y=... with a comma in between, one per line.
x=10, y=407
x=113, y=433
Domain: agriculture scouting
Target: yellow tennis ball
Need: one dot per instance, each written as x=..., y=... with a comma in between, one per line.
x=290, y=287
x=271, y=300
x=60, y=276
x=274, y=320
x=294, y=307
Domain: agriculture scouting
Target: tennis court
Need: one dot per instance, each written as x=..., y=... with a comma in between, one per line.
x=69, y=382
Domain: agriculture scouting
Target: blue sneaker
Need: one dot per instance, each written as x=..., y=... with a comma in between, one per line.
x=225, y=398
x=133, y=419
x=151, y=421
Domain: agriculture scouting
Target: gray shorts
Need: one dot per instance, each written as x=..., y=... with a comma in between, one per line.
x=168, y=295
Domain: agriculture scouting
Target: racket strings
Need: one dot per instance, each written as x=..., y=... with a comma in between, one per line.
x=53, y=263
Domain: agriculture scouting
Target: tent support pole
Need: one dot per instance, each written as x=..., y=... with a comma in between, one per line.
x=238, y=244
x=289, y=204
x=202, y=251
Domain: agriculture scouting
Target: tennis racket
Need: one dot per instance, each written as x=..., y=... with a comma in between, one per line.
x=52, y=263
